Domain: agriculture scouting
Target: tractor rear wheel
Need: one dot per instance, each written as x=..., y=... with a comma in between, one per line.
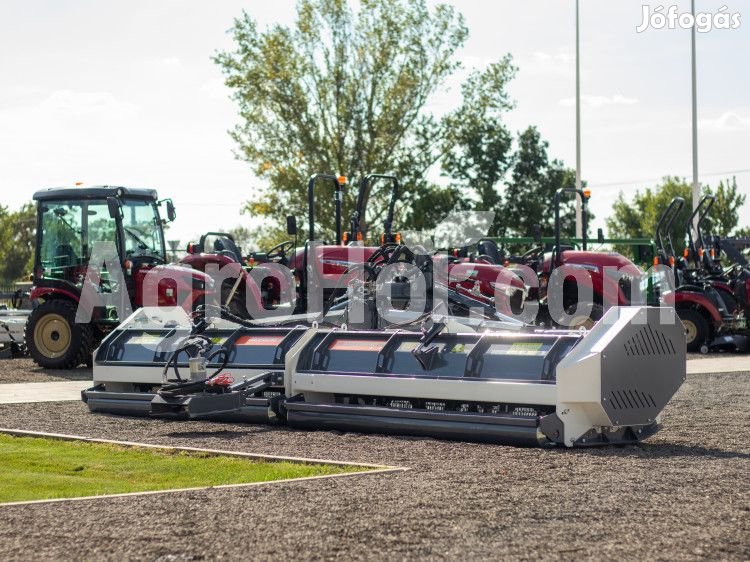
x=53, y=338
x=697, y=329
x=584, y=321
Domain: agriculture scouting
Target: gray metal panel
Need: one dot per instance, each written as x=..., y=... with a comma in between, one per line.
x=642, y=368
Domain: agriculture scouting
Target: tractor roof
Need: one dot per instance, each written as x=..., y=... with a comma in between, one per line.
x=95, y=192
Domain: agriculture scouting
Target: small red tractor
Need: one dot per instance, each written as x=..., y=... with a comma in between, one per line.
x=70, y=221
x=703, y=300
x=331, y=263
x=606, y=276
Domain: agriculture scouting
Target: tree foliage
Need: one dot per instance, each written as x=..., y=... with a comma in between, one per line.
x=17, y=238
x=340, y=92
x=638, y=218
x=724, y=214
x=347, y=91
x=530, y=189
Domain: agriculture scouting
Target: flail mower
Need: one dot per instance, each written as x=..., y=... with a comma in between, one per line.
x=521, y=386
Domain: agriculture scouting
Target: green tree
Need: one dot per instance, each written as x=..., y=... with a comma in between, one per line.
x=480, y=144
x=638, y=218
x=724, y=214
x=17, y=238
x=431, y=204
x=530, y=189
x=345, y=91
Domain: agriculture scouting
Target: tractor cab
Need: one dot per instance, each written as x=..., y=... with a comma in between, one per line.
x=71, y=221
x=70, y=224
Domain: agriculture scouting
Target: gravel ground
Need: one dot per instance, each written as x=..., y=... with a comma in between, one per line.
x=682, y=495
x=25, y=370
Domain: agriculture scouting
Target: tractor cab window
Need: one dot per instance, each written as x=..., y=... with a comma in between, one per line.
x=142, y=229
x=69, y=230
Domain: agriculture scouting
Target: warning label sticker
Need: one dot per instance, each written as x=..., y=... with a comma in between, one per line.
x=259, y=340
x=357, y=345
x=526, y=348
x=145, y=339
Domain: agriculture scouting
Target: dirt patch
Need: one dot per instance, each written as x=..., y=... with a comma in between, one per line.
x=681, y=495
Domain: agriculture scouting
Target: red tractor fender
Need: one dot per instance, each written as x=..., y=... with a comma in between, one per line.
x=199, y=262
x=692, y=299
x=51, y=292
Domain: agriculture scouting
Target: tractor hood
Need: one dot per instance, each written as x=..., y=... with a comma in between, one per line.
x=594, y=261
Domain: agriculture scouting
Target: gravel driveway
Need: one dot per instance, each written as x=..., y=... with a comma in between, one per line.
x=682, y=495
x=25, y=370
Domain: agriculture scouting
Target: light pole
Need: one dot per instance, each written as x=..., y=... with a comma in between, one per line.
x=579, y=222
x=696, y=185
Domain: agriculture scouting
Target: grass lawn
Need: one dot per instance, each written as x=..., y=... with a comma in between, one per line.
x=34, y=468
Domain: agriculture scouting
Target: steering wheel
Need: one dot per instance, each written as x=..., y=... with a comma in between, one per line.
x=382, y=254
x=280, y=250
x=533, y=253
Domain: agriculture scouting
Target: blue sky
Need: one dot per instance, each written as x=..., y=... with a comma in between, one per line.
x=125, y=93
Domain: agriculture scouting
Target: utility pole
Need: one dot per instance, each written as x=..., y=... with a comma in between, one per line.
x=579, y=222
x=696, y=185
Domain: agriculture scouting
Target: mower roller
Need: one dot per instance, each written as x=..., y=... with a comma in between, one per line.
x=522, y=387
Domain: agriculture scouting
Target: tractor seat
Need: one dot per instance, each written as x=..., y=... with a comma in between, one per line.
x=226, y=247
x=65, y=256
x=489, y=249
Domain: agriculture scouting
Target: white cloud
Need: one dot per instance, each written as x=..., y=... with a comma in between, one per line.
x=728, y=121
x=546, y=63
x=67, y=103
x=600, y=101
x=169, y=61
x=473, y=61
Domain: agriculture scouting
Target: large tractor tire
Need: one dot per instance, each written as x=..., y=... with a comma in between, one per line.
x=697, y=329
x=53, y=338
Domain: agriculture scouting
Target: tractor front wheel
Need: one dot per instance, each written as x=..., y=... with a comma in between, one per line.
x=697, y=329
x=53, y=338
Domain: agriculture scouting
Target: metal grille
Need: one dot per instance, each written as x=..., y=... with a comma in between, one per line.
x=631, y=399
x=648, y=341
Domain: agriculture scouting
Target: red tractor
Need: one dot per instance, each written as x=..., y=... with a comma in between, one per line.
x=330, y=263
x=477, y=279
x=241, y=294
x=606, y=276
x=704, y=300
x=70, y=221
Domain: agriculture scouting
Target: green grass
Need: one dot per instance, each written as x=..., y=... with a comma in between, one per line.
x=35, y=468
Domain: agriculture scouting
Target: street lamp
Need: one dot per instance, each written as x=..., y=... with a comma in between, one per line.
x=696, y=185
x=579, y=221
